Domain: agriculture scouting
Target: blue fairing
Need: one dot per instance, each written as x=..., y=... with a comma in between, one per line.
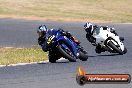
x=73, y=45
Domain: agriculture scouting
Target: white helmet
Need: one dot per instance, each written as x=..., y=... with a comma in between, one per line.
x=88, y=27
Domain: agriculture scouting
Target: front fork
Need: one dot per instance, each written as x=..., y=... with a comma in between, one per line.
x=72, y=46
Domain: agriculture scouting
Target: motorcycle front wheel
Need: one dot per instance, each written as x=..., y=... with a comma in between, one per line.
x=66, y=54
x=115, y=48
x=125, y=50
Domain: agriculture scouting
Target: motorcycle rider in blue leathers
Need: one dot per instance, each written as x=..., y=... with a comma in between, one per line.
x=44, y=33
x=89, y=28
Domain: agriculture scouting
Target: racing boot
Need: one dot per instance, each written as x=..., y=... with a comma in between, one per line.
x=121, y=38
x=99, y=49
x=73, y=38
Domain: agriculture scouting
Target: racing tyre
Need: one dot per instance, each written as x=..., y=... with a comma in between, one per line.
x=114, y=47
x=83, y=56
x=66, y=55
x=52, y=57
x=125, y=50
x=98, y=51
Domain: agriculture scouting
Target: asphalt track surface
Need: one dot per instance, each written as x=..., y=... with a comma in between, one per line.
x=21, y=33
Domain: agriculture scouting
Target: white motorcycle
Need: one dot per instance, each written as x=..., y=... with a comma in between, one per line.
x=109, y=41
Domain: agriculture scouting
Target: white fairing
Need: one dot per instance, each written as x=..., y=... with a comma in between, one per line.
x=101, y=35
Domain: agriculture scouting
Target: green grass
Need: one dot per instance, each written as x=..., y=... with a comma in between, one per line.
x=21, y=55
x=71, y=10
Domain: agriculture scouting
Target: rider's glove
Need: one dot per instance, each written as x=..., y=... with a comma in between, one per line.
x=68, y=34
x=112, y=30
x=105, y=27
x=65, y=33
x=62, y=31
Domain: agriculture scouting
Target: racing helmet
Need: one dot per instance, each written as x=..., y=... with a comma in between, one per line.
x=42, y=30
x=88, y=27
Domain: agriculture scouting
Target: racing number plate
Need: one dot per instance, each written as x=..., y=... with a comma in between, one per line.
x=50, y=39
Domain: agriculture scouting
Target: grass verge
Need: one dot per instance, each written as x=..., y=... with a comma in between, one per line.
x=69, y=10
x=21, y=55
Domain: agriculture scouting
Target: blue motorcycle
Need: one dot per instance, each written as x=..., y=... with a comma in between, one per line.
x=62, y=46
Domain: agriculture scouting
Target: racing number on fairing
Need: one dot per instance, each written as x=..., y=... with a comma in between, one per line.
x=50, y=39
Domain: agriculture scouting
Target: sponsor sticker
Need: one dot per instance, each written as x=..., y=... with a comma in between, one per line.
x=83, y=78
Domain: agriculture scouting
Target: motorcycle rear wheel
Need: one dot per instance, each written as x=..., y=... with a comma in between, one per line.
x=53, y=56
x=52, y=59
x=83, y=56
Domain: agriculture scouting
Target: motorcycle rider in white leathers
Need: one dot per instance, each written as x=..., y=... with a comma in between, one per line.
x=90, y=28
